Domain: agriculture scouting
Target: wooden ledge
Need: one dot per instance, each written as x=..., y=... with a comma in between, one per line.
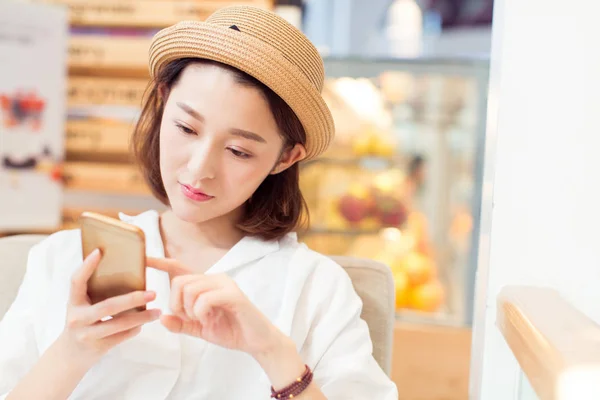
x=556, y=345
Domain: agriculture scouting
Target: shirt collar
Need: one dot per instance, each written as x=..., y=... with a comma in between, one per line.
x=247, y=250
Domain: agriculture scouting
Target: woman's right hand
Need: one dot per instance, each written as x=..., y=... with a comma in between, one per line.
x=86, y=337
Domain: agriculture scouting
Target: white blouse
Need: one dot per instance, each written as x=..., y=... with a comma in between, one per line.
x=305, y=294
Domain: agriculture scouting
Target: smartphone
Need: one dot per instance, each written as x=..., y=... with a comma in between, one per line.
x=122, y=268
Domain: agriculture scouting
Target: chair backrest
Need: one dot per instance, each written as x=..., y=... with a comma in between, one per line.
x=374, y=284
x=13, y=261
x=372, y=281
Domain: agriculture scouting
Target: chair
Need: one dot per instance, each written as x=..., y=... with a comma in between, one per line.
x=13, y=260
x=374, y=284
x=372, y=281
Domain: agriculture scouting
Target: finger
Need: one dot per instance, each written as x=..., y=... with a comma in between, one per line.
x=206, y=303
x=196, y=288
x=177, y=325
x=116, y=305
x=170, y=265
x=176, y=298
x=81, y=276
x=172, y=323
x=122, y=323
x=118, y=338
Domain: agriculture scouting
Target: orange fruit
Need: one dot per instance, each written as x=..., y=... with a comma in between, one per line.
x=418, y=268
x=427, y=297
x=402, y=290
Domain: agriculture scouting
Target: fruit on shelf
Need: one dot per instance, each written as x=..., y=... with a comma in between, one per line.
x=402, y=290
x=366, y=208
x=353, y=208
x=369, y=224
x=418, y=268
x=415, y=277
x=373, y=142
x=427, y=297
x=383, y=147
x=391, y=212
x=356, y=204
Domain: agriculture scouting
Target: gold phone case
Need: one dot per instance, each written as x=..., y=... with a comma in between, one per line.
x=122, y=268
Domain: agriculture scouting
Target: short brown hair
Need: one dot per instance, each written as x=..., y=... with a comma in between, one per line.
x=277, y=207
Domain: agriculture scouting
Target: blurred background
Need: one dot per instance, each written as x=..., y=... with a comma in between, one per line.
x=406, y=81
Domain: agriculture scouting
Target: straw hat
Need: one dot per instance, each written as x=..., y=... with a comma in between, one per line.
x=265, y=46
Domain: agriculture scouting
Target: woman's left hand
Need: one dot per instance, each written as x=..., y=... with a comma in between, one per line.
x=213, y=307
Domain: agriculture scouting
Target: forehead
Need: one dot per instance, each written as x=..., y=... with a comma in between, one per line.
x=211, y=89
x=198, y=80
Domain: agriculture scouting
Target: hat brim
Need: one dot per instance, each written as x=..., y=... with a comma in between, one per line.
x=256, y=58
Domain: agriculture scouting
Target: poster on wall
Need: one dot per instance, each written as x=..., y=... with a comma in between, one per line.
x=33, y=69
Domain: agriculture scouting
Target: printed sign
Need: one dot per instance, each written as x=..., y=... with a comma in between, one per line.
x=33, y=69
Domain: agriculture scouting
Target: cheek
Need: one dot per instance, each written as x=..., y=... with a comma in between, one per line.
x=242, y=180
x=171, y=149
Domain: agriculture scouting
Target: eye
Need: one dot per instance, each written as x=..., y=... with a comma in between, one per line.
x=184, y=129
x=239, y=154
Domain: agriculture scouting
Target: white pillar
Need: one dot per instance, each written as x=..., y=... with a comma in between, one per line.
x=541, y=190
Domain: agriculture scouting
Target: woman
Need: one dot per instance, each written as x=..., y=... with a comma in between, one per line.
x=236, y=308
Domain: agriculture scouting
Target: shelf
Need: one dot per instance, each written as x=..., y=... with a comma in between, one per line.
x=92, y=135
x=344, y=232
x=105, y=55
x=102, y=177
x=95, y=91
x=366, y=161
x=142, y=13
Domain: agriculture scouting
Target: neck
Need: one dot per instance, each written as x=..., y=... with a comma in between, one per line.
x=181, y=236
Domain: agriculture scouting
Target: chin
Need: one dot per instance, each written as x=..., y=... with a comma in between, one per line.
x=189, y=212
x=187, y=215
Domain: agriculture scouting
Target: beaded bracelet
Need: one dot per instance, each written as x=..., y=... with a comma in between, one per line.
x=295, y=388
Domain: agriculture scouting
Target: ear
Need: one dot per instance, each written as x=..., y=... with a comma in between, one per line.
x=289, y=157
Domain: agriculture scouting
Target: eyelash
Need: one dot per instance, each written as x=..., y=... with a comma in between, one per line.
x=187, y=131
x=239, y=154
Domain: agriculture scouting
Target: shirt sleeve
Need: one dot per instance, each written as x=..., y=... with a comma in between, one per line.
x=338, y=342
x=18, y=345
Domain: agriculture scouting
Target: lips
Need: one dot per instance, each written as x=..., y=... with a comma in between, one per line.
x=194, y=194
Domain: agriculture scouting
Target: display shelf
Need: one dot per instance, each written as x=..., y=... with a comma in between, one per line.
x=105, y=91
x=96, y=55
x=93, y=136
x=141, y=13
x=400, y=182
x=104, y=178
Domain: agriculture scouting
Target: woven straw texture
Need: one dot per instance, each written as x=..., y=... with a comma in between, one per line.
x=266, y=47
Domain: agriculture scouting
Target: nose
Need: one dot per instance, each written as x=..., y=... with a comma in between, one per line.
x=203, y=160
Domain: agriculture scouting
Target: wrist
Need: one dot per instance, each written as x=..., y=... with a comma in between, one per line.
x=281, y=361
x=73, y=355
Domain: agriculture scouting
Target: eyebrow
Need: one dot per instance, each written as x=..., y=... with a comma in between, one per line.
x=235, y=132
x=191, y=111
x=248, y=135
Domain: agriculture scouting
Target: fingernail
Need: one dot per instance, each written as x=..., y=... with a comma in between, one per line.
x=156, y=313
x=149, y=295
x=95, y=253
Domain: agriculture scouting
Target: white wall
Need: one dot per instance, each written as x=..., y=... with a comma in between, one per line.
x=541, y=205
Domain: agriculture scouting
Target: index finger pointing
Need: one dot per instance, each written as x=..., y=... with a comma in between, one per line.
x=168, y=265
x=80, y=278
